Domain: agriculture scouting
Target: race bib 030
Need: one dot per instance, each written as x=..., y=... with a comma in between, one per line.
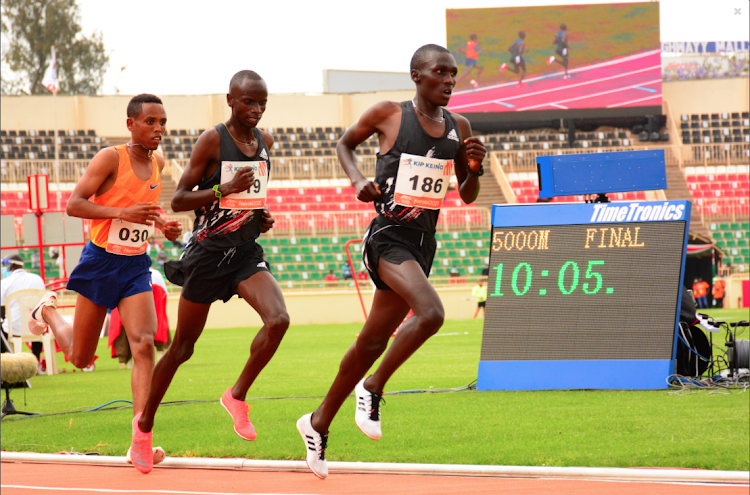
x=252, y=199
x=127, y=238
x=422, y=182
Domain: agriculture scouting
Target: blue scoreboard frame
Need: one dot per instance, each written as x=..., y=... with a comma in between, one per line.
x=583, y=296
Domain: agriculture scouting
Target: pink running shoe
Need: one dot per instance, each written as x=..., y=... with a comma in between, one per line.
x=140, y=453
x=36, y=322
x=503, y=67
x=239, y=410
x=550, y=60
x=159, y=455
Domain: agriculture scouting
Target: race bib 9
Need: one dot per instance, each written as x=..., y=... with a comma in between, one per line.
x=252, y=199
x=127, y=238
x=421, y=182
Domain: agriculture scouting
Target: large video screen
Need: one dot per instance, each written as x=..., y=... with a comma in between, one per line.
x=566, y=61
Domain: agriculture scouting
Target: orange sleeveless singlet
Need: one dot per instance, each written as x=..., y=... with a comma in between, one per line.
x=127, y=191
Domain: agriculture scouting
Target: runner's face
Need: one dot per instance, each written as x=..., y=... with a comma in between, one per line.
x=248, y=102
x=148, y=128
x=437, y=76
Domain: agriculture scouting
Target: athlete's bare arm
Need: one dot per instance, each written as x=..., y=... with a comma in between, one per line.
x=203, y=163
x=268, y=220
x=384, y=118
x=100, y=177
x=470, y=154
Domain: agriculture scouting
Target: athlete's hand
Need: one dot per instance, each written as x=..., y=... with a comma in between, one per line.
x=367, y=190
x=143, y=213
x=475, y=152
x=172, y=229
x=241, y=181
x=267, y=222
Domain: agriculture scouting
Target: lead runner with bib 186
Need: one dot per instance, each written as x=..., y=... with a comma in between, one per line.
x=113, y=271
x=421, y=145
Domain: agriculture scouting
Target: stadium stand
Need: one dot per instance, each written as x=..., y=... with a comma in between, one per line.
x=715, y=128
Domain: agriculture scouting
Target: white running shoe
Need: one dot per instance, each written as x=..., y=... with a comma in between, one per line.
x=36, y=322
x=550, y=60
x=474, y=83
x=315, y=443
x=367, y=414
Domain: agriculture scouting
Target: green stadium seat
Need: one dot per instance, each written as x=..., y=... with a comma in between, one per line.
x=473, y=253
x=443, y=236
x=449, y=244
x=465, y=235
x=745, y=226
x=467, y=262
x=305, y=250
x=285, y=276
x=283, y=241
x=723, y=226
x=741, y=242
x=296, y=276
x=324, y=240
x=459, y=244
x=745, y=251
x=440, y=271
x=720, y=244
x=728, y=234
x=716, y=235
x=734, y=226
x=303, y=240
x=453, y=254
x=737, y=260
x=731, y=243
x=476, y=235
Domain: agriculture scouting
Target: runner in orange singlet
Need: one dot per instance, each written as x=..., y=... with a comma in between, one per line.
x=472, y=51
x=113, y=269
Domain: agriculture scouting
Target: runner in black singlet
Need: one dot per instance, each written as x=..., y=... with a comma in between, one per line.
x=222, y=258
x=517, y=49
x=421, y=144
x=561, y=42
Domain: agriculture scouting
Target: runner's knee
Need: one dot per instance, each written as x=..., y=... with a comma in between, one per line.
x=432, y=320
x=181, y=351
x=81, y=360
x=141, y=345
x=277, y=325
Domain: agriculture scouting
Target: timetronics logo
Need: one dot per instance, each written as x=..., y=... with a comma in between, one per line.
x=634, y=212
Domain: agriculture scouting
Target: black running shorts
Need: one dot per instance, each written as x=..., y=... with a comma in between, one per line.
x=396, y=244
x=209, y=275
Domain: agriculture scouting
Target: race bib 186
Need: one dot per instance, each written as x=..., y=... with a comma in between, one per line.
x=422, y=182
x=127, y=238
x=252, y=199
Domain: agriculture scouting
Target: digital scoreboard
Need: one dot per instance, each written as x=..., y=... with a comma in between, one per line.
x=583, y=296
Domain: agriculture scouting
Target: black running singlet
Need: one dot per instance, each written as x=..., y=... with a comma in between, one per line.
x=218, y=228
x=414, y=140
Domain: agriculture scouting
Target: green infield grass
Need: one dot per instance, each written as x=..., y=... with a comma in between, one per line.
x=552, y=428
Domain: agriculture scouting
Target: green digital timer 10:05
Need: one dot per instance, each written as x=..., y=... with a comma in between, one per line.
x=568, y=279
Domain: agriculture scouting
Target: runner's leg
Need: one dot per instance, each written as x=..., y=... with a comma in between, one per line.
x=77, y=341
x=191, y=318
x=387, y=312
x=138, y=316
x=408, y=281
x=262, y=293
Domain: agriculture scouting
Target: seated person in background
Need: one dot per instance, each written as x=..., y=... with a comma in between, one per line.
x=454, y=272
x=331, y=278
x=15, y=278
x=346, y=271
x=362, y=275
x=161, y=258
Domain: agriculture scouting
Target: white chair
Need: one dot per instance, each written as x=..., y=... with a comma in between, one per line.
x=27, y=299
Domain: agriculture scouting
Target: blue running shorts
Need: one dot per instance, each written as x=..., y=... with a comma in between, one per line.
x=105, y=278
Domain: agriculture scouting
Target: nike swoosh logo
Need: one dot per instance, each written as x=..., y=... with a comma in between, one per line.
x=153, y=187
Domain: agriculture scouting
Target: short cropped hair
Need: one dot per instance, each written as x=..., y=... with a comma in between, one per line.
x=563, y=27
x=241, y=76
x=521, y=34
x=421, y=54
x=135, y=107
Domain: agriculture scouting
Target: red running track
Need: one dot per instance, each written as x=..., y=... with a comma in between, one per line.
x=62, y=479
x=634, y=80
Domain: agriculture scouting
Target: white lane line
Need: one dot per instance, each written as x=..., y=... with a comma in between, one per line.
x=634, y=101
x=592, y=95
x=561, y=88
x=559, y=106
x=557, y=74
x=112, y=490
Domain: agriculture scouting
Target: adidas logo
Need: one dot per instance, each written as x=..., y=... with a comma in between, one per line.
x=452, y=135
x=263, y=154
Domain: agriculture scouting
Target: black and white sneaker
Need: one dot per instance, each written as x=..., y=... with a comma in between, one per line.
x=367, y=414
x=315, y=443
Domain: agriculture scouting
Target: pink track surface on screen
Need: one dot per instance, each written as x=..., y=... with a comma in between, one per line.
x=631, y=81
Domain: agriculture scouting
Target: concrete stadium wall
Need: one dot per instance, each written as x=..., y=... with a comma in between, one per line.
x=320, y=308
x=106, y=114
x=707, y=96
